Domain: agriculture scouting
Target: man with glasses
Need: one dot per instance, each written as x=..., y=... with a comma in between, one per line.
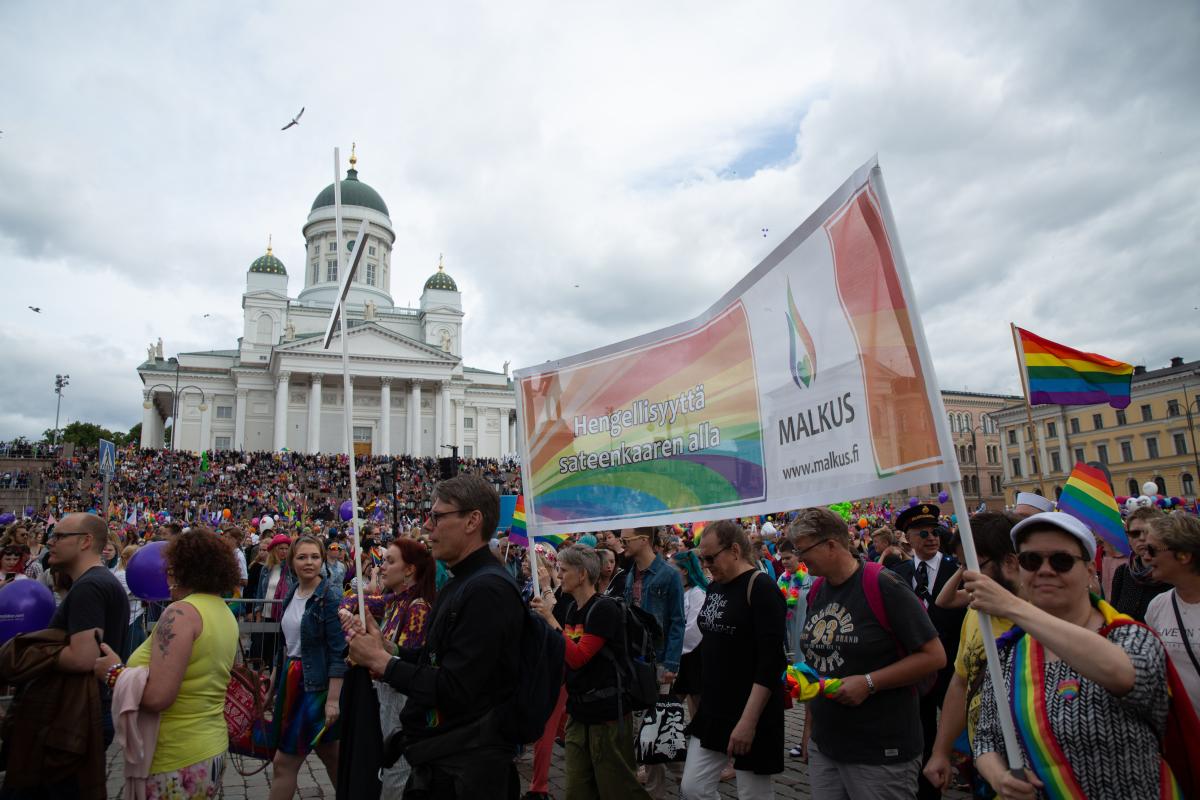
x=459, y=683
x=654, y=586
x=927, y=572
x=866, y=736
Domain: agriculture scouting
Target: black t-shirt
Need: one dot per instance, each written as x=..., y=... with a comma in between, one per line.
x=96, y=600
x=842, y=637
x=603, y=617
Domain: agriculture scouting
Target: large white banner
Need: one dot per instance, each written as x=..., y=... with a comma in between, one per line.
x=808, y=383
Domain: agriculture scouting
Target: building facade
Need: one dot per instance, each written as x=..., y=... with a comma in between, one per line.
x=1153, y=439
x=279, y=388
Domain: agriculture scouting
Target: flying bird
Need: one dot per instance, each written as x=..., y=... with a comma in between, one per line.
x=295, y=120
x=35, y=310
x=206, y=316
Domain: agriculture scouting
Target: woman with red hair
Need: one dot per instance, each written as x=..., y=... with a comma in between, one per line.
x=398, y=617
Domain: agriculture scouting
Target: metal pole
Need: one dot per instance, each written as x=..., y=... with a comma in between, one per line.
x=395, y=510
x=175, y=408
x=975, y=458
x=1191, y=428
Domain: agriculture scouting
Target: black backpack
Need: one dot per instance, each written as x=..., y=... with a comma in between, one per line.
x=637, y=674
x=540, y=670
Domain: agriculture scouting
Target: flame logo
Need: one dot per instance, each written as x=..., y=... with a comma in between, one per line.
x=803, y=353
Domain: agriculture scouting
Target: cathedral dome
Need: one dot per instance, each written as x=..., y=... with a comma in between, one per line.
x=441, y=280
x=268, y=264
x=354, y=192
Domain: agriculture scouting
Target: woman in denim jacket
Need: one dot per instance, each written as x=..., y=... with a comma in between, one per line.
x=309, y=665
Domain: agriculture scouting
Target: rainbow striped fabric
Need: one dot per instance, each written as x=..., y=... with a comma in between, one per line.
x=1065, y=376
x=1088, y=498
x=519, y=534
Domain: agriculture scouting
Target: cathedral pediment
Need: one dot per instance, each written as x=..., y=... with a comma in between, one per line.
x=370, y=340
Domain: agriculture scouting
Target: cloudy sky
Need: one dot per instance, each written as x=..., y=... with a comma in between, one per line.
x=1042, y=162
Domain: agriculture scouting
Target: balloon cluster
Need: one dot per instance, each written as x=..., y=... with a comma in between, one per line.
x=843, y=510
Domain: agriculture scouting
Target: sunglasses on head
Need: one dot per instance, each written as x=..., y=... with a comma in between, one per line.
x=1031, y=560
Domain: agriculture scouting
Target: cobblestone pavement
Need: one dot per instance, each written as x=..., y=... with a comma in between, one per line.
x=314, y=781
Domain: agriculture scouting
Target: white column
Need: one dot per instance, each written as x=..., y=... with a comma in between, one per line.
x=281, y=407
x=313, y=440
x=1008, y=476
x=205, y=426
x=438, y=441
x=1064, y=452
x=444, y=422
x=1023, y=443
x=1039, y=433
x=385, y=416
x=414, y=419
x=460, y=414
x=239, y=420
x=149, y=420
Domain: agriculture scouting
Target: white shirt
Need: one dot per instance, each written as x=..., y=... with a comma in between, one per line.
x=241, y=559
x=932, y=565
x=693, y=600
x=1161, y=616
x=291, y=624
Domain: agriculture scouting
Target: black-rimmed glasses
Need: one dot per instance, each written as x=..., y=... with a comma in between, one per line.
x=710, y=559
x=1031, y=560
x=436, y=516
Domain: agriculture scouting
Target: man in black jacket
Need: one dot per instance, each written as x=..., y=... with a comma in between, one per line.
x=927, y=573
x=468, y=667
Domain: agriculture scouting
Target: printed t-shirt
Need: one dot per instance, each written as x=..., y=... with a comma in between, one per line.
x=841, y=638
x=970, y=663
x=1161, y=617
x=602, y=617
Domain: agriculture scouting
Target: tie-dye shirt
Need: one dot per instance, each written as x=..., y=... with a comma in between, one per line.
x=402, y=616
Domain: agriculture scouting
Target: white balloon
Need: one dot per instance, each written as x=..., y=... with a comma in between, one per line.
x=265, y=523
x=1131, y=503
x=1150, y=488
x=1144, y=501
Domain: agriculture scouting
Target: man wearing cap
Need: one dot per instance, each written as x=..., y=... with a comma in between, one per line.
x=1029, y=503
x=927, y=572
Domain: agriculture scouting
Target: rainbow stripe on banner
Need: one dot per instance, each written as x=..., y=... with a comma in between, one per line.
x=1062, y=375
x=1088, y=498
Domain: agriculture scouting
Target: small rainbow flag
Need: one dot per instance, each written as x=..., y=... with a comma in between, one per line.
x=518, y=533
x=1088, y=498
x=1062, y=375
x=697, y=532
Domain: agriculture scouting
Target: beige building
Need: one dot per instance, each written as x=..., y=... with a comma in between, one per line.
x=1154, y=439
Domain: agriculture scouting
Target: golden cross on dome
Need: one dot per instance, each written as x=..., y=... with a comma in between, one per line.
x=353, y=158
x=268, y=244
x=440, y=268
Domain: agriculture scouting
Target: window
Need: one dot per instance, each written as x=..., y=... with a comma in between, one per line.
x=1098, y=422
x=224, y=412
x=333, y=247
x=1134, y=489
x=1012, y=437
x=1127, y=451
x=1152, y=447
x=1051, y=430
x=1146, y=414
x=331, y=270
x=1189, y=484
x=468, y=424
x=970, y=454
x=962, y=454
x=1180, y=444
x=1033, y=467
x=1173, y=408
x=468, y=451
x=1121, y=420
x=223, y=442
x=370, y=274
x=1162, y=484
x=934, y=488
x=1102, y=453
x=1016, y=467
x=953, y=423
x=1055, y=461
x=316, y=270
x=371, y=250
x=1079, y=457
x=1074, y=424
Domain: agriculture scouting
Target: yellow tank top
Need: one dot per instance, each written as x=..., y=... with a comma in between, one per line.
x=193, y=728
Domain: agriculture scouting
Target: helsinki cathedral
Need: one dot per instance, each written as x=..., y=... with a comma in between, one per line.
x=278, y=387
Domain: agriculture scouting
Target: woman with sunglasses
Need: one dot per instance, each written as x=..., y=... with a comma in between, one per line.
x=1173, y=553
x=1133, y=586
x=1088, y=684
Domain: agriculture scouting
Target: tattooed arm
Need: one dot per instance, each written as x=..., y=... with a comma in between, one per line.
x=169, y=655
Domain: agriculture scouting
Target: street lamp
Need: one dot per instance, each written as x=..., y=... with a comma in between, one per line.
x=975, y=453
x=1187, y=405
x=60, y=382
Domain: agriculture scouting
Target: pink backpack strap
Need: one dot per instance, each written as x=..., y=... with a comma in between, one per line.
x=870, y=581
x=813, y=589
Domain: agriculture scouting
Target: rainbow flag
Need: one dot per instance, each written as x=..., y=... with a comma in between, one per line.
x=697, y=532
x=518, y=533
x=1062, y=375
x=1088, y=498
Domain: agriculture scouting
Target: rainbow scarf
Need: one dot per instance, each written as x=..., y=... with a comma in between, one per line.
x=1046, y=756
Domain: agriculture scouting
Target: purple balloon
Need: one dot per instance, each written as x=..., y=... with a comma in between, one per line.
x=8, y=518
x=912, y=502
x=943, y=496
x=29, y=511
x=146, y=573
x=346, y=511
x=25, y=606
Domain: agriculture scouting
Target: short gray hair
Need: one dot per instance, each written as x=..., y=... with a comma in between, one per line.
x=581, y=556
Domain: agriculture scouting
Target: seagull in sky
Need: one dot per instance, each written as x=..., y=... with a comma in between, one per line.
x=206, y=316
x=35, y=310
x=295, y=120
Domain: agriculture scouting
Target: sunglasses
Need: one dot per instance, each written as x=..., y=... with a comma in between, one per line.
x=1153, y=551
x=710, y=559
x=1031, y=561
x=924, y=534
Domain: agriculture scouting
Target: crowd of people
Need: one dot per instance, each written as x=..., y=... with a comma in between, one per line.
x=424, y=691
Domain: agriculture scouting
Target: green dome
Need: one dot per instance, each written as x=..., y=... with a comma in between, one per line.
x=440, y=280
x=354, y=193
x=268, y=264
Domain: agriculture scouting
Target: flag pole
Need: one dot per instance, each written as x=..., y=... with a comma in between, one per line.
x=1035, y=474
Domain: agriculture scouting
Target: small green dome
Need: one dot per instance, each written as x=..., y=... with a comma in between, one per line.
x=441, y=280
x=268, y=264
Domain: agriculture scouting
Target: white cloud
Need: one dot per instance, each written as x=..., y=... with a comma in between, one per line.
x=1040, y=160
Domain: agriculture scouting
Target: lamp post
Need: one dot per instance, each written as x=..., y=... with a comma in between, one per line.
x=975, y=454
x=1187, y=405
x=60, y=382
